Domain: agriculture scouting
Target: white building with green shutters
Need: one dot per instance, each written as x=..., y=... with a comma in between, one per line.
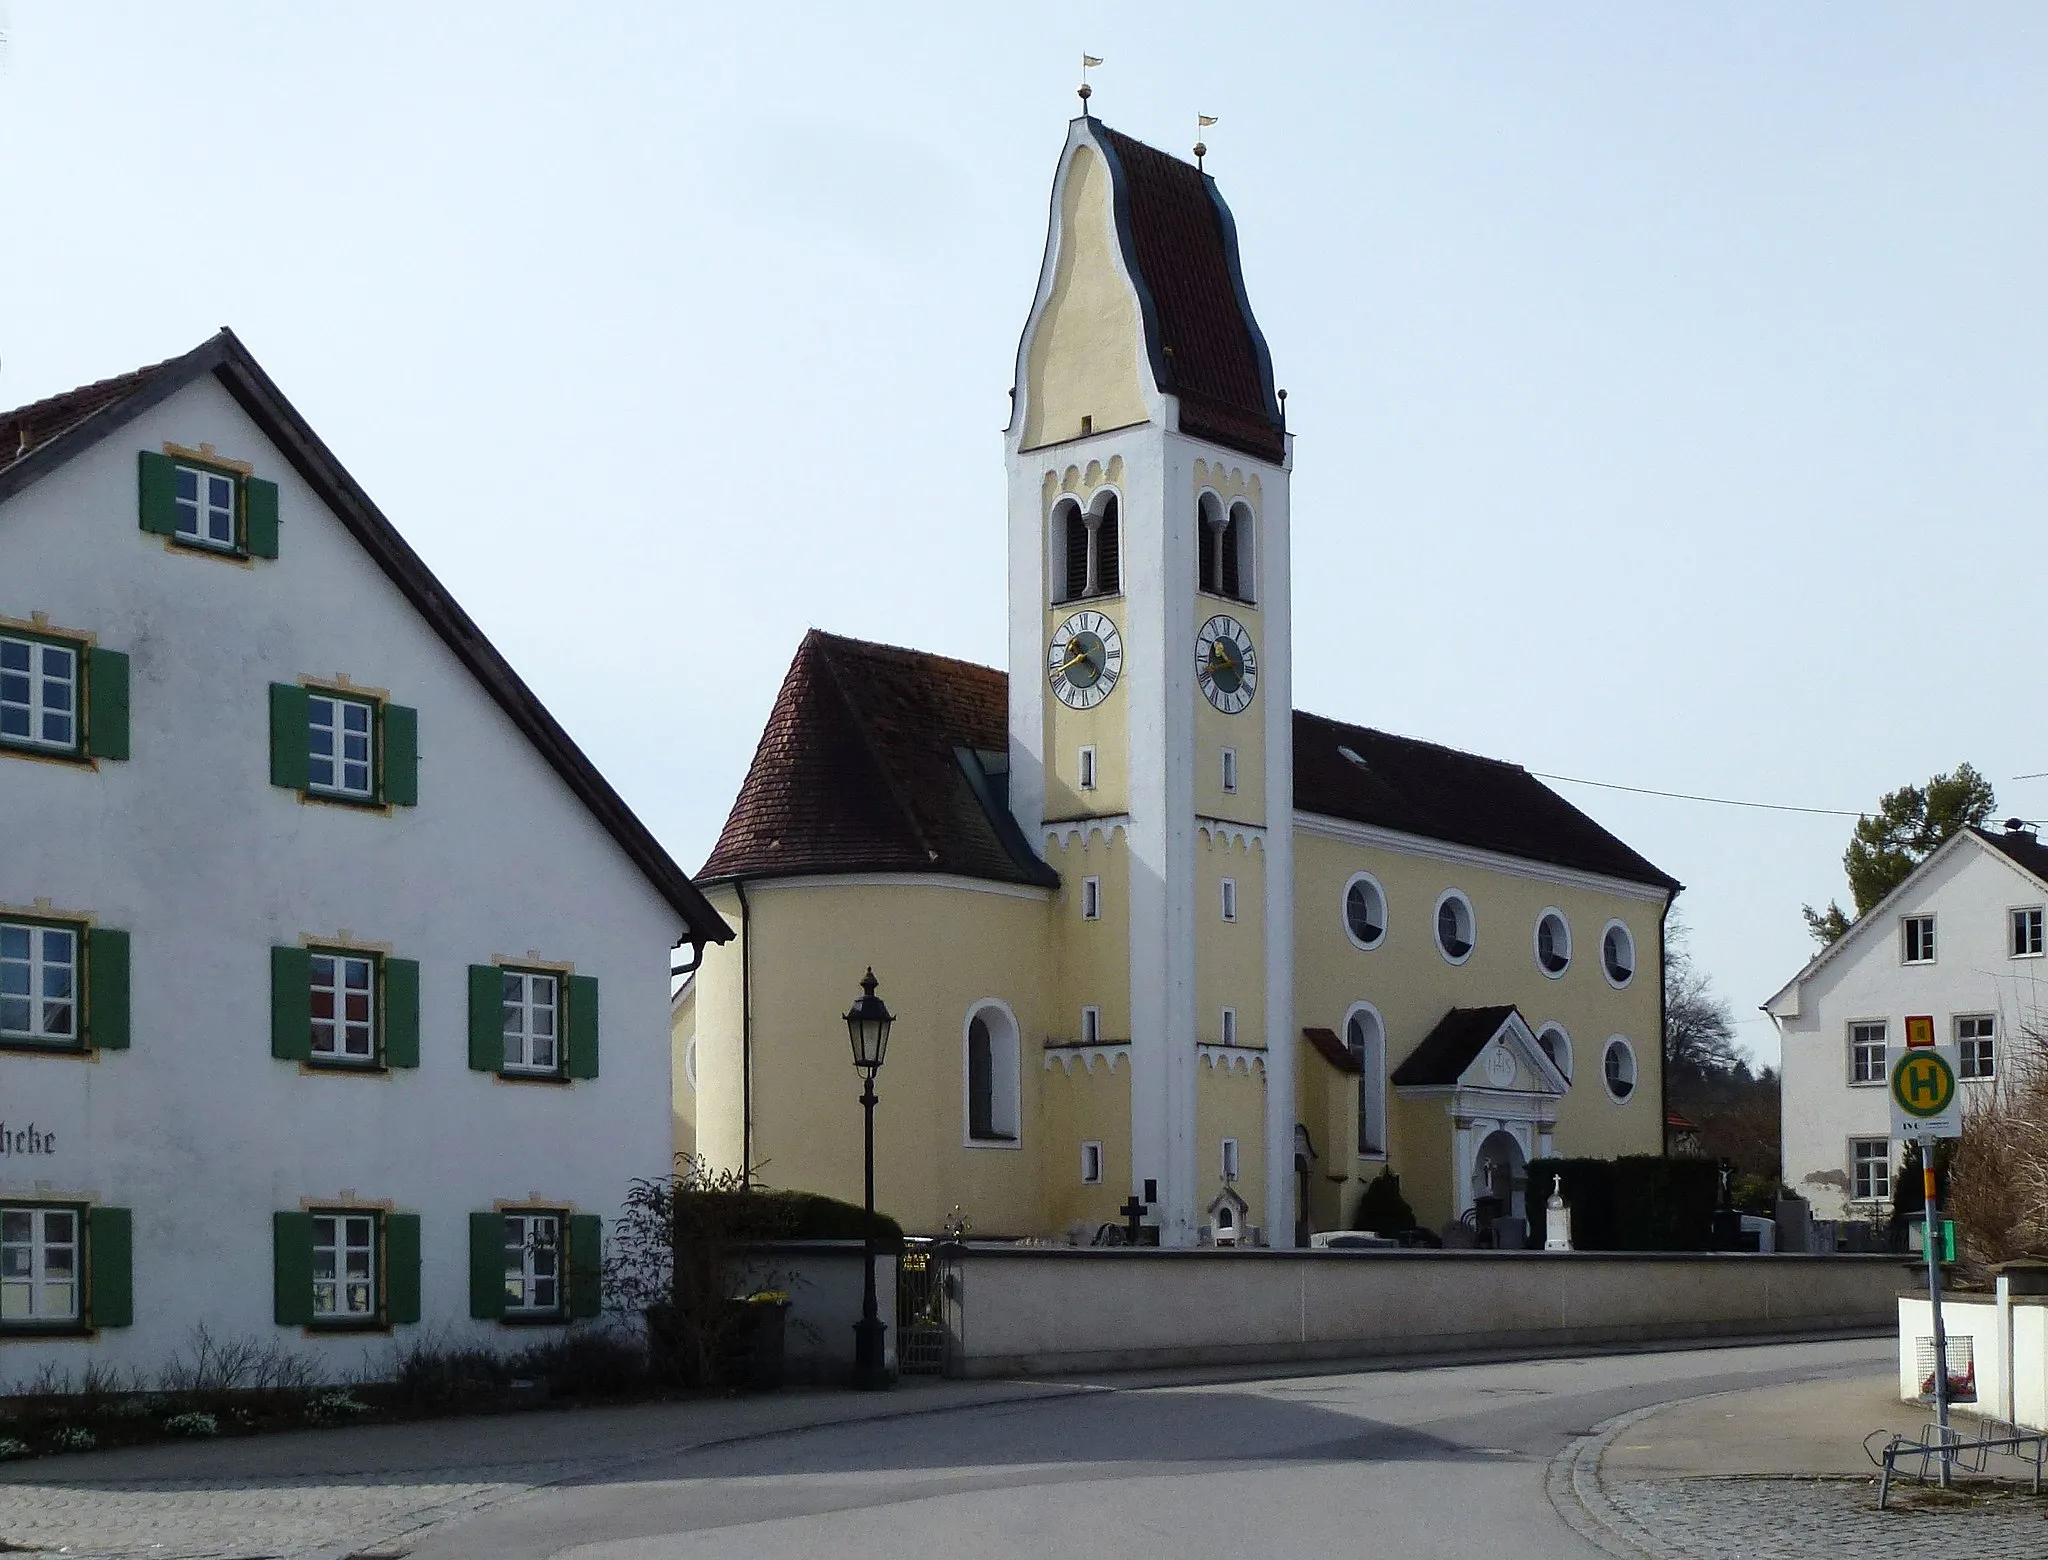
x=334, y=979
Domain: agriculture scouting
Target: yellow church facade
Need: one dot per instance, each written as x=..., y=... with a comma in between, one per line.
x=1148, y=930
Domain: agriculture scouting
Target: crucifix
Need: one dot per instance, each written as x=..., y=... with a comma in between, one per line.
x=1133, y=1210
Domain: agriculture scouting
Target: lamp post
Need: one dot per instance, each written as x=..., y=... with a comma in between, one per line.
x=867, y=1027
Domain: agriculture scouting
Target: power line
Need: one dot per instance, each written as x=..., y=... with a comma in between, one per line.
x=1688, y=796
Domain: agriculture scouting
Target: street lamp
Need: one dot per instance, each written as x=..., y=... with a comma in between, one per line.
x=867, y=1027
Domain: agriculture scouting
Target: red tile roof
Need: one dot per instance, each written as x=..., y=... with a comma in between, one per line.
x=28, y=427
x=1181, y=247
x=869, y=764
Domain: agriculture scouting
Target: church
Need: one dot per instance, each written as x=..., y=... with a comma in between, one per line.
x=1147, y=929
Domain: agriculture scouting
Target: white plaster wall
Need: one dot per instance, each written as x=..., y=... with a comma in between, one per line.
x=1969, y=892
x=191, y=849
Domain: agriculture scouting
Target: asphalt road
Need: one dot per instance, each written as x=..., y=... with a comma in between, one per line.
x=1448, y=1461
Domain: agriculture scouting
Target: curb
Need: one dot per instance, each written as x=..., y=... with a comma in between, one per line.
x=1573, y=1485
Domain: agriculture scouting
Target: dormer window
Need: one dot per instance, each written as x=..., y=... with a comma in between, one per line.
x=1090, y=548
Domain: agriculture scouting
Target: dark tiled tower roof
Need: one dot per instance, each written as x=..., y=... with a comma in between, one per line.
x=1206, y=348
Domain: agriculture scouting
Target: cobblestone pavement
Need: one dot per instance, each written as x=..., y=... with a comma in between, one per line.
x=188, y=1519
x=1758, y=1518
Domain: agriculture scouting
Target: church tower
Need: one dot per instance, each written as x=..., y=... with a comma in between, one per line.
x=1150, y=690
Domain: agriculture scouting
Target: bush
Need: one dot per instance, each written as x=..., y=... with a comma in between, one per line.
x=195, y=1425
x=1381, y=1207
x=1642, y=1202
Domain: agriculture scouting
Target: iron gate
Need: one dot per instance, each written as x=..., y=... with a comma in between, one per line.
x=921, y=1310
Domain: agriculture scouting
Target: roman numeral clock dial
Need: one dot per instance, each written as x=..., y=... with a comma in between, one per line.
x=1226, y=665
x=1085, y=660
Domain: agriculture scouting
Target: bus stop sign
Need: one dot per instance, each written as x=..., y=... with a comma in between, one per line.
x=1925, y=1100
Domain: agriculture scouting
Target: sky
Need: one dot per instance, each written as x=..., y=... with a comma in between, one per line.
x=1667, y=381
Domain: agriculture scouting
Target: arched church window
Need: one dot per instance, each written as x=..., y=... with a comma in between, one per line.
x=992, y=1076
x=1366, y=1037
x=1108, y=559
x=1208, y=542
x=1072, y=529
x=1235, y=553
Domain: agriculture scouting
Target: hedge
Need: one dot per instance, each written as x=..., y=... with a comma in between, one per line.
x=1640, y=1203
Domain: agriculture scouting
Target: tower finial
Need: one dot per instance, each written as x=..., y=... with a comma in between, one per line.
x=1086, y=91
x=1202, y=122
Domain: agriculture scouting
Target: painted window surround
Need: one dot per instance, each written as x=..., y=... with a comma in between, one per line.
x=162, y=512
x=100, y=984
x=99, y=694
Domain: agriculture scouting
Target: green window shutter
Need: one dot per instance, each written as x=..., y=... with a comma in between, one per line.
x=401, y=1268
x=582, y=1026
x=106, y=704
x=401, y=755
x=110, y=1248
x=291, y=1004
x=486, y=1018
x=259, y=517
x=291, y=1265
x=106, y=989
x=159, y=488
x=401, y=1013
x=290, y=759
x=486, y=1266
x=586, y=1265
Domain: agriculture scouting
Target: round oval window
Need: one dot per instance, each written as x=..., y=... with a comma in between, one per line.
x=1553, y=943
x=1618, y=954
x=1365, y=912
x=1454, y=930
x=1618, y=1066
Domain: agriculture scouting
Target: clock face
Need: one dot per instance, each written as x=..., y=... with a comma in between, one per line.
x=1226, y=665
x=1085, y=660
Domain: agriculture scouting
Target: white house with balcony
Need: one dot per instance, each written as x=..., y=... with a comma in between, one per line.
x=334, y=979
x=1961, y=939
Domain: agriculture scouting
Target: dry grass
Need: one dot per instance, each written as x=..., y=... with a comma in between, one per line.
x=1998, y=1181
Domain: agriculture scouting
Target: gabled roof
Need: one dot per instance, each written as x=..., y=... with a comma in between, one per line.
x=1413, y=787
x=1180, y=247
x=1333, y=1050
x=869, y=764
x=2016, y=846
x=879, y=759
x=1448, y=1050
x=37, y=439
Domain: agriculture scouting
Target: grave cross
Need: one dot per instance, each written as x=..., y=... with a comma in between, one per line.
x=1133, y=1210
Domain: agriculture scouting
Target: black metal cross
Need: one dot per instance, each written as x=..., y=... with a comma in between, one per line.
x=1133, y=1210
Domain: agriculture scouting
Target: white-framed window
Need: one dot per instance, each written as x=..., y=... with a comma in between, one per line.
x=2026, y=932
x=1091, y=899
x=1457, y=929
x=1086, y=768
x=1229, y=1027
x=533, y=1021
x=340, y=741
x=1977, y=1044
x=1230, y=899
x=344, y=996
x=533, y=1264
x=38, y=694
x=1091, y=1025
x=1870, y=1169
x=1557, y=1045
x=206, y=508
x=1916, y=939
x=1618, y=1069
x=39, y=1264
x=1617, y=954
x=1553, y=943
x=993, y=1076
x=1091, y=1164
x=1867, y=1051
x=344, y=1266
x=38, y=983
x=1230, y=1159
x=1230, y=771
x=1365, y=1036
x=1365, y=911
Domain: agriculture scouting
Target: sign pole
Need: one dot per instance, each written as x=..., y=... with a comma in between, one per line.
x=1931, y=1239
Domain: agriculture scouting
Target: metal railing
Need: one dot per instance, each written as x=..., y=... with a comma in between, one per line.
x=1942, y=1453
